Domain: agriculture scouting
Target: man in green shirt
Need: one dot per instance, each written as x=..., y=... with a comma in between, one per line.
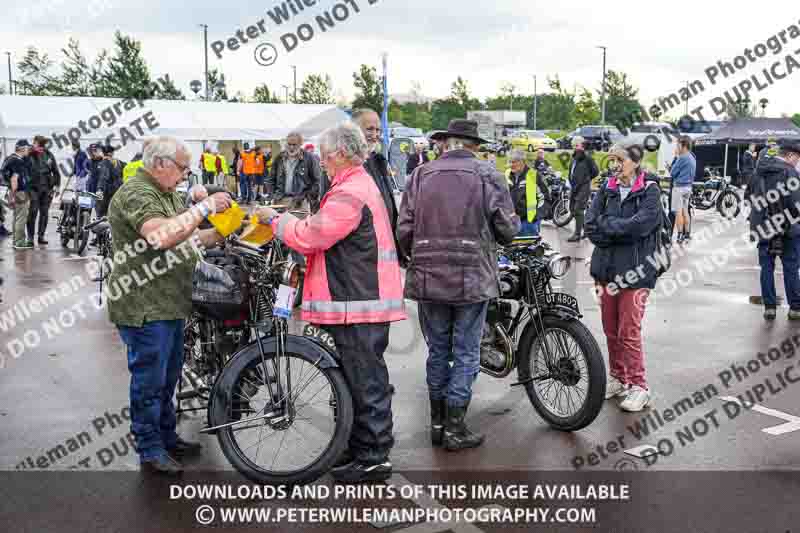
x=155, y=241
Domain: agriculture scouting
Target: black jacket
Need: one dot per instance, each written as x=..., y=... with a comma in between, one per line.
x=580, y=177
x=413, y=162
x=109, y=181
x=306, y=177
x=771, y=172
x=44, y=171
x=748, y=164
x=624, y=233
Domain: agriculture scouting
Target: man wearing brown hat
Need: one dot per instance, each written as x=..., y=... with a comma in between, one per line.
x=454, y=212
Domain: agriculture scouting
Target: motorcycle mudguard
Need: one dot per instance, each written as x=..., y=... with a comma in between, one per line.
x=532, y=327
x=294, y=343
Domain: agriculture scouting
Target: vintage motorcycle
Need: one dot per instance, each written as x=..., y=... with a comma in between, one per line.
x=102, y=230
x=717, y=192
x=278, y=403
x=538, y=332
x=76, y=212
x=559, y=189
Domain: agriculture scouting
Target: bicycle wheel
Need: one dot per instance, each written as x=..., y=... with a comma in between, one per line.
x=277, y=437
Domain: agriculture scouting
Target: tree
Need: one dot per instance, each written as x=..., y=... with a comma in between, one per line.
x=586, y=109
x=621, y=98
x=395, y=112
x=459, y=91
x=416, y=115
x=316, y=89
x=167, y=90
x=216, y=76
x=126, y=74
x=796, y=119
x=262, y=95
x=740, y=109
x=370, y=89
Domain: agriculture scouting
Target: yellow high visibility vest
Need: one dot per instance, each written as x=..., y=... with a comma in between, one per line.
x=531, y=201
x=131, y=169
x=209, y=162
x=224, y=164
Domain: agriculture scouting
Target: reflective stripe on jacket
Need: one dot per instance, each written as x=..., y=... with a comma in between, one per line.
x=131, y=169
x=352, y=273
x=224, y=163
x=531, y=200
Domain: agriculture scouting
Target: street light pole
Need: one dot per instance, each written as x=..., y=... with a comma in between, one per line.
x=603, y=94
x=205, y=49
x=294, y=67
x=535, y=101
x=10, y=79
x=286, y=93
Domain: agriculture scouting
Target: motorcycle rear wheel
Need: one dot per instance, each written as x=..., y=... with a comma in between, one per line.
x=82, y=236
x=582, y=366
x=728, y=205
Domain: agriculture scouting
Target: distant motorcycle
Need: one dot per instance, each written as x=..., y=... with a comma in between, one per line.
x=718, y=193
x=559, y=211
x=76, y=212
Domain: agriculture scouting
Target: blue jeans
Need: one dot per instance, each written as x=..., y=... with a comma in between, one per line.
x=155, y=358
x=244, y=187
x=791, y=273
x=529, y=229
x=452, y=332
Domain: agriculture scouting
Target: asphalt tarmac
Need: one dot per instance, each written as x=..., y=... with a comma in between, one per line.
x=66, y=384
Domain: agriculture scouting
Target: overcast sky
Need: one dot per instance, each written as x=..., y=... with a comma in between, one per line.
x=659, y=44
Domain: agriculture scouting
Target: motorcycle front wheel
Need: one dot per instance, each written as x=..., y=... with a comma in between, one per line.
x=564, y=373
x=279, y=438
x=561, y=213
x=82, y=235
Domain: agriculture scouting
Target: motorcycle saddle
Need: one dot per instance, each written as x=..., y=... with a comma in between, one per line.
x=101, y=228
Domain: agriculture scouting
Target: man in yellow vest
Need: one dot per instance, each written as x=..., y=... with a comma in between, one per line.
x=527, y=189
x=132, y=168
x=208, y=162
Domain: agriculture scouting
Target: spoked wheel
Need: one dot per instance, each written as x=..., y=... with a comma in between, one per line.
x=728, y=205
x=191, y=395
x=565, y=373
x=82, y=237
x=561, y=212
x=291, y=419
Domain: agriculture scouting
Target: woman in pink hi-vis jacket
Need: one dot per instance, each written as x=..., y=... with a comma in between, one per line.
x=353, y=289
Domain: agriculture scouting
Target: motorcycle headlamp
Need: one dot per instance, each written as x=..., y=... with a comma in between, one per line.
x=558, y=265
x=291, y=274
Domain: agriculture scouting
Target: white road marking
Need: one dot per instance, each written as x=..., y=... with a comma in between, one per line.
x=643, y=451
x=792, y=422
x=74, y=257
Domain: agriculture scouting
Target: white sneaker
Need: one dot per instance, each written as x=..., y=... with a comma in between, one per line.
x=615, y=387
x=637, y=399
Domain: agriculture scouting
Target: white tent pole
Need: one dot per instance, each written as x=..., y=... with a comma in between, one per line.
x=725, y=164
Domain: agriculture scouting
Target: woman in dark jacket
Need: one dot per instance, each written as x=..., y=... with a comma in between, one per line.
x=622, y=223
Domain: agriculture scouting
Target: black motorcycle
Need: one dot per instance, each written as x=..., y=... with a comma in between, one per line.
x=539, y=332
x=101, y=228
x=559, y=209
x=76, y=212
x=716, y=192
x=278, y=403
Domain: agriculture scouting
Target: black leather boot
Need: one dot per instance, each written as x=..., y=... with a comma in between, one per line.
x=438, y=417
x=456, y=434
x=578, y=235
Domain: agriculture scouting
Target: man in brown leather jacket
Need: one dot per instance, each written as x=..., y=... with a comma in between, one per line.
x=454, y=212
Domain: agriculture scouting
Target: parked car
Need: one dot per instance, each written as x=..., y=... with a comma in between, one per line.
x=531, y=141
x=648, y=134
x=599, y=138
x=495, y=147
x=565, y=142
x=415, y=134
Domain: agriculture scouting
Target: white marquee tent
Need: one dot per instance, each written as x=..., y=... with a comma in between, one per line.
x=196, y=123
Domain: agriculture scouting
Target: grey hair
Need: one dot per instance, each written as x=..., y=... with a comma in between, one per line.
x=516, y=155
x=459, y=143
x=161, y=148
x=296, y=134
x=358, y=113
x=348, y=138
